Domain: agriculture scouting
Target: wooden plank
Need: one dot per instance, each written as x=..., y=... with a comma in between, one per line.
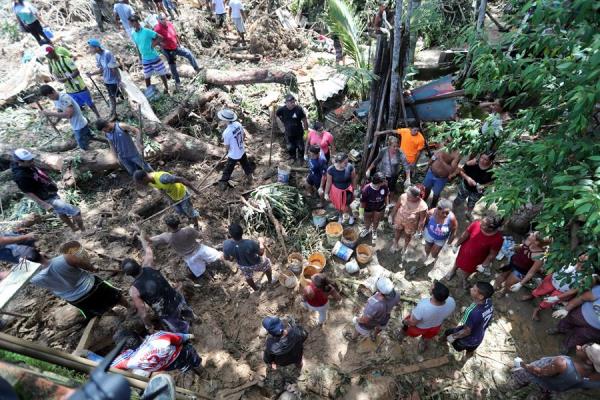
x=18, y=277
x=85, y=338
x=427, y=364
x=136, y=96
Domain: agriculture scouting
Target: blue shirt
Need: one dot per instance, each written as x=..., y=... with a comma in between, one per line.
x=107, y=62
x=143, y=40
x=341, y=179
x=124, y=11
x=26, y=12
x=477, y=317
x=245, y=252
x=591, y=309
x=122, y=142
x=318, y=168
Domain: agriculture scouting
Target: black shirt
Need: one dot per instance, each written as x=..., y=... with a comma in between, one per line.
x=156, y=291
x=34, y=180
x=292, y=120
x=285, y=350
x=481, y=176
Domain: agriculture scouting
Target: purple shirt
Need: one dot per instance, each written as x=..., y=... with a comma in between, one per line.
x=374, y=198
x=477, y=317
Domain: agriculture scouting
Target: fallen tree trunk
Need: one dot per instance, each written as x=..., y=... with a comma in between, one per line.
x=218, y=77
x=181, y=111
x=245, y=57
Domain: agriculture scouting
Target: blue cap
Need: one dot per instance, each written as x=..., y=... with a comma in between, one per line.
x=94, y=43
x=273, y=325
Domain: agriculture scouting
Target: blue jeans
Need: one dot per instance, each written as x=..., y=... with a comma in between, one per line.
x=172, y=60
x=82, y=137
x=435, y=182
x=132, y=164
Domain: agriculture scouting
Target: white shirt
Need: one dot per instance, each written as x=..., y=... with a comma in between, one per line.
x=233, y=136
x=77, y=120
x=430, y=315
x=236, y=7
x=218, y=6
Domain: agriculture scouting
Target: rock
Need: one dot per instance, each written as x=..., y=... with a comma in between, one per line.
x=66, y=316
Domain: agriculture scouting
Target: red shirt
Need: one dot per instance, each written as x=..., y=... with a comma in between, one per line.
x=169, y=35
x=319, y=297
x=477, y=247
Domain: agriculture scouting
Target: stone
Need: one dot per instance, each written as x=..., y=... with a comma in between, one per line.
x=66, y=316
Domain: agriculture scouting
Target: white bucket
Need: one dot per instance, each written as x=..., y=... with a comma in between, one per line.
x=342, y=251
x=283, y=173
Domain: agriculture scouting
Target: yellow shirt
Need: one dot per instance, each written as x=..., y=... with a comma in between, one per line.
x=411, y=145
x=176, y=191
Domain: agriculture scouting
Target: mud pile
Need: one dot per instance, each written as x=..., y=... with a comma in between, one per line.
x=266, y=36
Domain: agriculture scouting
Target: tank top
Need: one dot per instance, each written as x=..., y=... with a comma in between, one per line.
x=438, y=231
x=522, y=259
x=65, y=281
x=156, y=291
x=480, y=176
x=320, y=297
x=176, y=191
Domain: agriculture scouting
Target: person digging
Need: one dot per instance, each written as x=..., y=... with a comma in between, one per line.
x=233, y=139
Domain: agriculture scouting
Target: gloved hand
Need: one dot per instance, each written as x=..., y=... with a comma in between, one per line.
x=480, y=268
x=516, y=287
x=450, y=338
x=368, y=173
x=407, y=183
x=560, y=314
x=357, y=193
x=361, y=214
x=320, y=191
x=551, y=299
x=419, y=234
x=306, y=157
x=326, y=196
x=455, y=249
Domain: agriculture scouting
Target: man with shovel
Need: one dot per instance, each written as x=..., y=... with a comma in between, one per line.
x=108, y=67
x=233, y=138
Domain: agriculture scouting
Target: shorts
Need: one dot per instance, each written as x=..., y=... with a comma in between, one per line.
x=134, y=163
x=101, y=298
x=458, y=344
x=112, y=88
x=186, y=207
x=314, y=180
x=178, y=318
x=409, y=227
x=379, y=210
x=517, y=274
x=152, y=67
x=83, y=137
x=221, y=19
x=264, y=265
x=61, y=207
x=435, y=182
x=83, y=98
x=471, y=197
x=360, y=329
x=188, y=358
x=426, y=333
x=431, y=240
x=202, y=256
x=239, y=24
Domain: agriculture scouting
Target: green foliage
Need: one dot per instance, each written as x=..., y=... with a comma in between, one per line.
x=10, y=30
x=439, y=22
x=550, y=81
x=342, y=21
x=42, y=365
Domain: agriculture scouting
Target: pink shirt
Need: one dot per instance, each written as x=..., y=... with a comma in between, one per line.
x=169, y=34
x=323, y=141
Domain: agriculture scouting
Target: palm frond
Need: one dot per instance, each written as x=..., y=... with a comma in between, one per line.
x=342, y=21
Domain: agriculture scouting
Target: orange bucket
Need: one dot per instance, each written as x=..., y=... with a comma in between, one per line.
x=364, y=253
x=317, y=260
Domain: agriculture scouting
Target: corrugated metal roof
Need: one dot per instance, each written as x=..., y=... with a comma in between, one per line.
x=330, y=87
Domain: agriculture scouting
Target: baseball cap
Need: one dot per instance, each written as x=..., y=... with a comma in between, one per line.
x=290, y=97
x=23, y=154
x=273, y=325
x=94, y=42
x=385, y=285
x=48, y=49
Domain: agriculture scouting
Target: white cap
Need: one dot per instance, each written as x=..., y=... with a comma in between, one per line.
x=385, y=285
x=227, y=115
x=23, y=154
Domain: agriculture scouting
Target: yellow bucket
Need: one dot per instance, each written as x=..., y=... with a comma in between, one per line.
x=334, y=231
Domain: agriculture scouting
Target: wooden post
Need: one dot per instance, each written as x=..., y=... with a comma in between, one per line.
x=272, y=133
x=395, y=89
x=48, y=118
x=481, y=15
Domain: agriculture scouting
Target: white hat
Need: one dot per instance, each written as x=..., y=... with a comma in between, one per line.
x=593, y=353
x=385, y=285
x=23, y=154
x=227, y=115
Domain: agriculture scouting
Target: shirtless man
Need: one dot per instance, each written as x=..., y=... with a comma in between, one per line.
x=443, y=167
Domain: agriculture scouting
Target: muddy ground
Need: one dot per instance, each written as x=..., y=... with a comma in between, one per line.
x=228, y=334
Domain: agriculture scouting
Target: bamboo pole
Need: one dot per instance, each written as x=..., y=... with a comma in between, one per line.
x=79, y=364
x=395, y=89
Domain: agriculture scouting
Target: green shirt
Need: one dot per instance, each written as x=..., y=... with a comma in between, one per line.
x=143, y=40
x=64, y=65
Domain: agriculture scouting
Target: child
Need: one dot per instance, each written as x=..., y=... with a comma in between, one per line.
x=317, y=176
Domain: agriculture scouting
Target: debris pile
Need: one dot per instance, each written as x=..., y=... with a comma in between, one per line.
x=267, y=37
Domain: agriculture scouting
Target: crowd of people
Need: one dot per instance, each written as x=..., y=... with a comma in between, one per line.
x=332, y=179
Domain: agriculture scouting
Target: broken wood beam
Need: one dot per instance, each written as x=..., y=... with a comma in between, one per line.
x=85, y=337
x=245, y=57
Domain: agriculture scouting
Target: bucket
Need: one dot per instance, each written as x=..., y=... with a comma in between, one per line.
x=350, y=237
x=74, y=248
x=307, y=273
x=364, y=254
x=333, y=230
x=342, y=251
x=317, y=260
x=319, y=218
x=295, y=262
x=283, y=174
x=288, y=279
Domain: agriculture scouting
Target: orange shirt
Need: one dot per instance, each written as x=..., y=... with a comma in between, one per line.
x=411, y=145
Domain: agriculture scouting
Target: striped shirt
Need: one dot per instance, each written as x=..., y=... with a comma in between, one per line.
x=62, y=66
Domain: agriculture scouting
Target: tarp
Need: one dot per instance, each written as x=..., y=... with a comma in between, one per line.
x=136, y=97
